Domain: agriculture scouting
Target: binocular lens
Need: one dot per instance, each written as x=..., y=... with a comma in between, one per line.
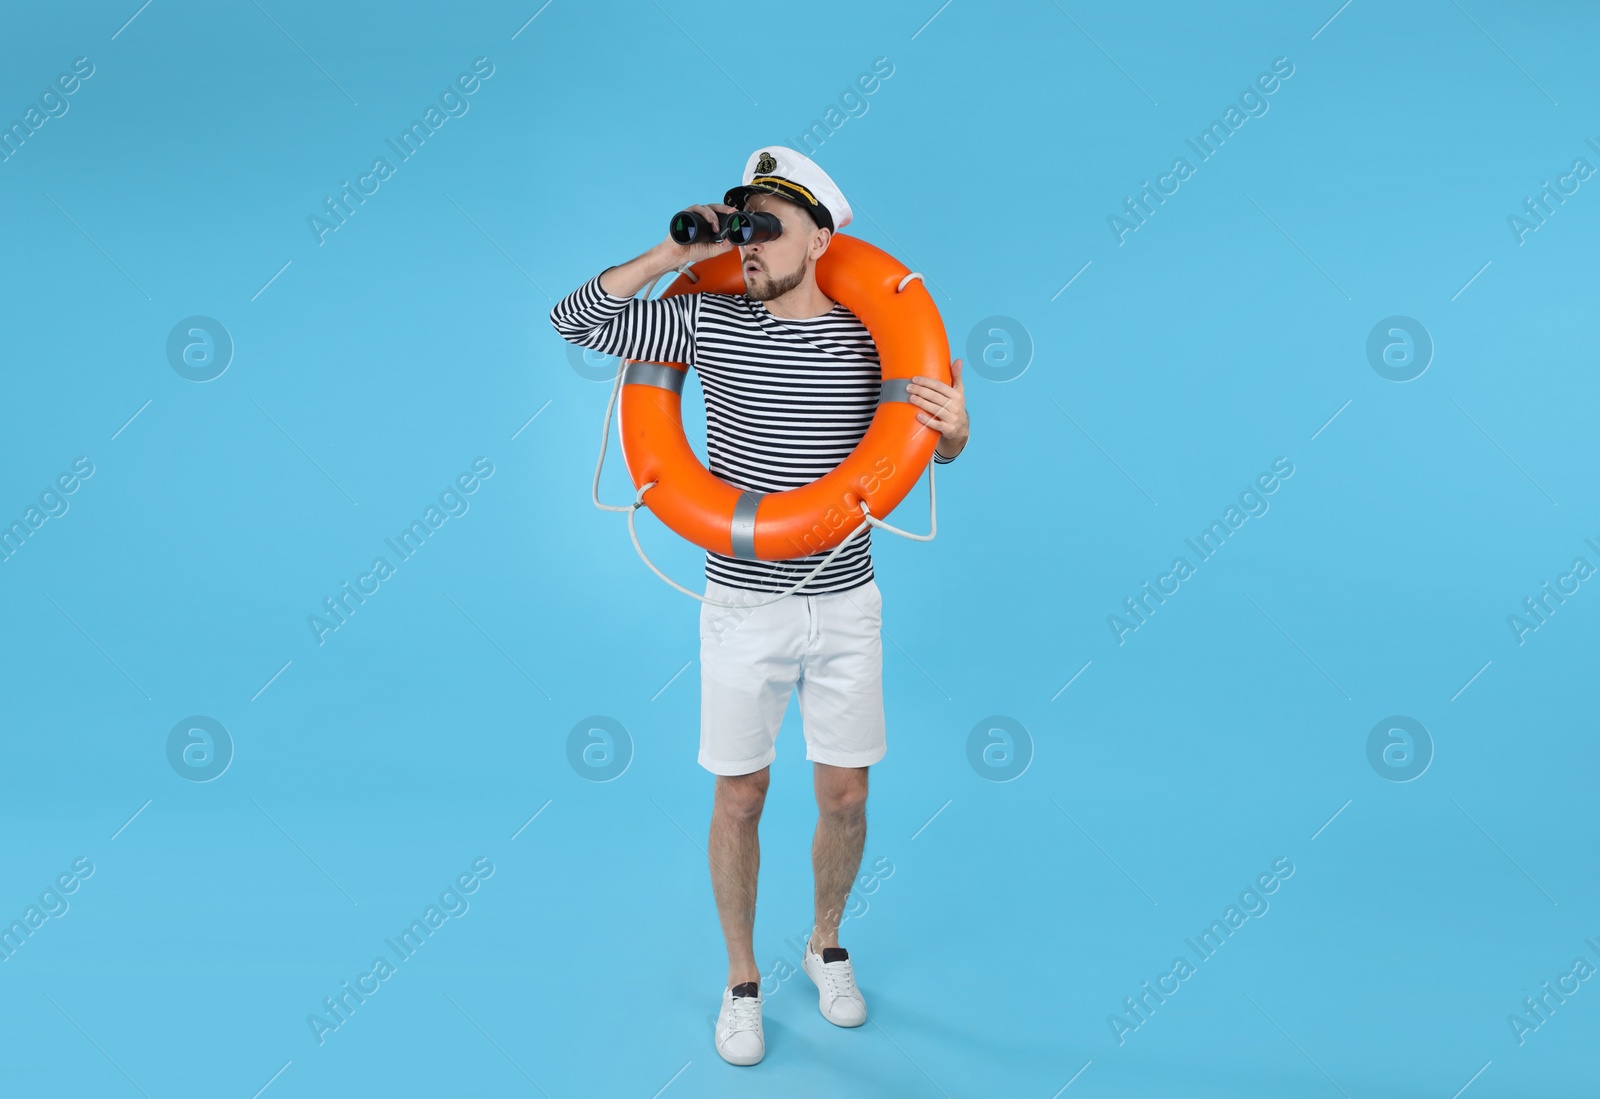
x=689, y=227
x=753, y=227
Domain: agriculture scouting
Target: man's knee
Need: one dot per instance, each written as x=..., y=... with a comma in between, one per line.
x=844, y=793
x=742, y=796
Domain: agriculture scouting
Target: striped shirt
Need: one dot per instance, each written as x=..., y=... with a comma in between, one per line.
x=787, y=400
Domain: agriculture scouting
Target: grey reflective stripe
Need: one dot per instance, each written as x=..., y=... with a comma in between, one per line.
x=743, y=527
x=893, y=389
x=662, y=377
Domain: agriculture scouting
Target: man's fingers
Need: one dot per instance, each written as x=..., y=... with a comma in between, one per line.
x=932, y=404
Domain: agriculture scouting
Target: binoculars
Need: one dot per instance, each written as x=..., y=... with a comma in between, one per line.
x=741, y=227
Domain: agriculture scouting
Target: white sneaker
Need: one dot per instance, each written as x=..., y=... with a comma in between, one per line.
x=738, y=1033
x=838, y=998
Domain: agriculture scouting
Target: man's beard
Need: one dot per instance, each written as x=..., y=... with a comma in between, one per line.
x=775, y=287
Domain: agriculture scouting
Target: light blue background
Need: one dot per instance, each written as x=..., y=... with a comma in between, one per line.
x=1229, y=730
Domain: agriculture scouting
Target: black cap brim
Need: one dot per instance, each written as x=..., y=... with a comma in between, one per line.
x=737, y=196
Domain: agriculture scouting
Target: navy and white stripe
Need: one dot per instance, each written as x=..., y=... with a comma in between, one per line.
x=787, y=400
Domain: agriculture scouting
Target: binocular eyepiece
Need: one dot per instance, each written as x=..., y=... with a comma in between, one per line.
x=741, y=227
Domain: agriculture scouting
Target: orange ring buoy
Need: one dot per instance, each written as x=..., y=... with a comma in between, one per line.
x=885, y=465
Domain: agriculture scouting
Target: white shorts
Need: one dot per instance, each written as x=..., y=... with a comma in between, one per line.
x=831, y=646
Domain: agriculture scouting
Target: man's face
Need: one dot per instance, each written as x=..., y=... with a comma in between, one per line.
x=773, y=268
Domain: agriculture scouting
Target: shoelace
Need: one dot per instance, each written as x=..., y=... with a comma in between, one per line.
x=840, y=979
x=744, y=1013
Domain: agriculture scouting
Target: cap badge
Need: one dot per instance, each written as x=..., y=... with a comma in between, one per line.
x=766, y=164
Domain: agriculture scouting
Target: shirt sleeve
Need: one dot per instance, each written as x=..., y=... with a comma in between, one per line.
x=661, y=330
x=942, y=460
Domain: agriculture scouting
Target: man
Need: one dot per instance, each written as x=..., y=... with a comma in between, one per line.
x=791, y=381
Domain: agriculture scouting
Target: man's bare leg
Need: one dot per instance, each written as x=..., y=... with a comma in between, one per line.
x=836, y=849
x=735, y=854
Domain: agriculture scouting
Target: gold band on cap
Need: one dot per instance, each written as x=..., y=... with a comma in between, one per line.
x=785, y=183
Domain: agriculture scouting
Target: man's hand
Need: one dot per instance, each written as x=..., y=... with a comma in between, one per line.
x=627, y=279
x=945, y=409
x=694, y=253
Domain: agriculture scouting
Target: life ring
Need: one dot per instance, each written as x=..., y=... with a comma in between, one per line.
x=904, y=323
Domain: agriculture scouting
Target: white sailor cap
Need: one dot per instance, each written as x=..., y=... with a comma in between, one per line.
x=796, y=177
